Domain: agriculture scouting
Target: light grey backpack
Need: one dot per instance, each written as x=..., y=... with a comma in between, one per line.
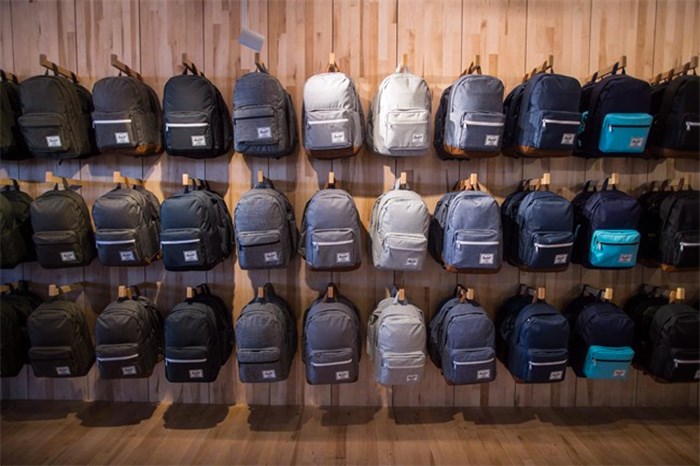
x=399, y=230
x=333, y=119
x=396, y=339
x=330, y=232
x=399, y=117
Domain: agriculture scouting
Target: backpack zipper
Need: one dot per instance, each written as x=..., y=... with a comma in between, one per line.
x=596, y=360
x=470, y=363
x=185, y=361
x=610, y=127
x=179, y=241
x=676, y=362
x=325, y=122
x=326, y=364
x=185, y=125
x=121, y=241
x=466, y=123
x=690, y=245
x=117, y=358
x=548, y=246
x=110, y=122
x=550, y=363
x=688, y=124
x=601, y=243
x=558, y=122
x=461, y=242
x=317, y=244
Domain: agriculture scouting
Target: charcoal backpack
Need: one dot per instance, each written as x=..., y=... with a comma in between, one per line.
x=606, y=223
x=461, y=341
x=60, y=340
x=128, y=338
x=679, y=239
x=542, y=117
x=399, y=116
x=266, y=231
x=198, y=338
x=396, y=342
x=465, y=232
x=264, y=121
x=266, y=337
x=675, y=131
x=615, y=117
x=538, y=230
x=333, y=120
x=331, y=340
x=15, y=307
x=641, y=308
x=601, y=341
x=330, y=231
x=127, y=226
x=127, y=116
x=399, y=230
x=63, y=235
x=12, y=145
x=55, y=120
x=650, y=222
x=469, y=121
x=15, y=227
x=197, y=123
x=196, y=231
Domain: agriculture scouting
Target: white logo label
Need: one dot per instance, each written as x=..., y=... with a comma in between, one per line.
x=342, y=375
x=418, y=137
x=491, y=140
x=129, y=370
x=636, y=142
x=412, y=262
x=53, y=141
x=191, y=256
x=560, y=259
x=196, y=373
x=271, y=374
x=62, y=370
x=199, y=141
x=412, y=378
x=625, y=258
x=483, y=374
x=568, y=139
x=265, y=132
x=271, y=256
x=127, y=256
x=619, y=373
x=556, y=375
x=486, y=259
x=68, y=256
x=122, y=138
x=342, y=257
x=338, y=137
x=697, y=374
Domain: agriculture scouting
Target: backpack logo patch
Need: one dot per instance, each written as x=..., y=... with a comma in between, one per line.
x=127, y=256
x=62, y=370
x=121, y=138
x=567, y=139
x=619, y=372
x=271, y=256
x=338, y=137
x=486, y=259
x=342, y=375
x=412, y=378
x=199, y=141
x=412, y=262
x=483, y=374
x=560, y=259
x=191, y=256
x=636, y=142
x=625, y=259
x=54, y=141
x=129, y=370
x=264, y=132
x=556, y=375
x=342, y=258
x=68, y=256
x=271, y=374
x=196, y=374
x=418, y=137
x=491, y=140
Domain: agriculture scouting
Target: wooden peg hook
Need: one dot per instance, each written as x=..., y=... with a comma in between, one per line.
x=189, y=292
x=473, y=180
x=51, y=178
x=55, y=290
x=401, y=294
x=330, y=292
x=261, y=176
x=607, y=294
x=470, y=294
x=546, y=179
x=331, y=179
x=118, y=178
x=121, y=66
x=614, y=179
x=402, y=179
x=677, y=295
x=261, y=292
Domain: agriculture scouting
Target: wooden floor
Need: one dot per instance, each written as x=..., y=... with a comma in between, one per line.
x=141, y=433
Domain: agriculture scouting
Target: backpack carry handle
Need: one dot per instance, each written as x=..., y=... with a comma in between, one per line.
x=203, y=289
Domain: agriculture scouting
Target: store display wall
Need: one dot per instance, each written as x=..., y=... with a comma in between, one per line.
x=441, y=38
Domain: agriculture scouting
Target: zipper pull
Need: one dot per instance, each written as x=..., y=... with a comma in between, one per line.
x=544, y=123
x=610, y=127
x=600, y=246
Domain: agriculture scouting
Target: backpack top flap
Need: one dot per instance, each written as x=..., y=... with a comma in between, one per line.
x=611, y=209
x=403, y=211
x=189, y=93
x=619, y=93
x=123, y=321
x=402, y=91
x=261, y=200
x=680, y=211
x=58, y=322
x=676, y=325
x=540, y=325
x=121, y=208
x=330, y=91
x=332, y=209
x=190, y=209
x=49, y=94
x=121, y=94
x=604, y=324
x=472, y=210
x=548, y=91
x=467, y=326
x=191, y=323
x=682, y=95
x=60, y=210
x=545, y=211
x=331, y=325
x=477, y=93
x=258, y=88
x=401, y=329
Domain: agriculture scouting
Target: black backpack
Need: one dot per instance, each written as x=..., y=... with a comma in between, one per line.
x=11, y=142
x=55, y=118
x=15, y=227
x=198, y=338
x=15, y=307
x=63, y=235
x=127, y=117
x=127, y=226
x=197, y=122
x=128, y=338
x=641, y=308
x=264, y=121
x=650, y=221
x=60, y=340
x=679, y=241
x=676, y=109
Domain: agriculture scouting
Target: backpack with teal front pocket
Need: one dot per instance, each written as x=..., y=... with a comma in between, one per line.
x=606, y=362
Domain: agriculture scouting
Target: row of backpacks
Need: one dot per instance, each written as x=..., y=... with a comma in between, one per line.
x=548, y=115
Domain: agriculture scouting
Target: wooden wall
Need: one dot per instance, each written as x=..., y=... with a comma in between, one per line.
x=440, y=37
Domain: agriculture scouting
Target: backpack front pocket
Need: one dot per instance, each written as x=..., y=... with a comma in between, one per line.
x=686, y=249
x=255, y=126
x=475, y=249
x=53, y=361
x=123, y=361
x=688, y=133
x=189, y=364
x=547, y=249
x=605, y=362
x=401, y=368
x=261, y=365
x=482, y=131
x=625, y=132
x=46, y=132
x=56, y=249
x=260, y=249
x=114, y=130
x=542, y=365
x=188, y=132
x=328, y=129
x=331, y=366
x=556, y=130
x=407, y=129
x=331, y=249
x=403, y=251
x=184, y=249
x=118, y=247
x=614, y=248
x=677, y=365
x=465, y=366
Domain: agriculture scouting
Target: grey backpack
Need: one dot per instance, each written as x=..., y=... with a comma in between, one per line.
x=330, y=232
x=267, y=339
x=333, y=118
x=396, y=337
x=266, y=231
x=399, y=117
x=399, y=230
x=127, y=226
x=331, y=340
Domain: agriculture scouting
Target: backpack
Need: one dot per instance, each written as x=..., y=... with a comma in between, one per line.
x=128, y=338
x=650, y=222
x=63, y=235
x=542, y=117
x=675, y=131
x=674, y=335
x=641, y=309
x=398, y=229
x=399, y=116
x=615, y=117
x=469, y=121
x=333, y=118
x=127, y=226
x=198, y=338
x=266, y=231
x=461, y=341
x=15, y=307
x=606, y=223
x=60, y=340
x=55, y=120
x=538, y=230
x=266, y=337
x=331, y=340
x=331, y=231
x=396, y=340
x=12, y=145
x=197, y=123
x=466, y=233
x=679, y=241
x=15, y=227
x=264, y=120
x=601, y=341
x=196, y=231
x=127, y=116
